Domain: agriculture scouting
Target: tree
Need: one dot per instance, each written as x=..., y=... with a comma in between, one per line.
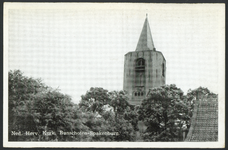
x=95, y=103
x=200, y=92
x=94, y=100
x=22, y=91
x=35, y=107
x=119, y=102
x=55, y=112
x=131, y=114
x=125, y=130
x=163, y=112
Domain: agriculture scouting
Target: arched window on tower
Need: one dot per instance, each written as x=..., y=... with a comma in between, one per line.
x=163, y=70
x=140, y=65
x=141, y=79
x=138, y=93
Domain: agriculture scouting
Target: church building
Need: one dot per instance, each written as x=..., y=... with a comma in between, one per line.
x=144, y=68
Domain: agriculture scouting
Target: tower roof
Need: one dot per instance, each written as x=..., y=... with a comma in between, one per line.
x=145, y=40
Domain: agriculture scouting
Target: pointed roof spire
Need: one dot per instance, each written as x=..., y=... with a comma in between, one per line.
x=145, y=40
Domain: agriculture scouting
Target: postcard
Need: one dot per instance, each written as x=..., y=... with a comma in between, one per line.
x=122, y=75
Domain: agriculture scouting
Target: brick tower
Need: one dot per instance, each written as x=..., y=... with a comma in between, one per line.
x=144, y=68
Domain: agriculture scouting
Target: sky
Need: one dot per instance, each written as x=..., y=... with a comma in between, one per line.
x=73, y=47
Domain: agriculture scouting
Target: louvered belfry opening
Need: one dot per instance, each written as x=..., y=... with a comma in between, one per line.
x=140, y=65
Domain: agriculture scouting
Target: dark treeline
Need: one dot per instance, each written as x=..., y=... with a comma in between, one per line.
x=38, y=112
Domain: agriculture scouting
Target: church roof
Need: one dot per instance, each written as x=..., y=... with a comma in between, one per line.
x=145, y=40
x=204, y=122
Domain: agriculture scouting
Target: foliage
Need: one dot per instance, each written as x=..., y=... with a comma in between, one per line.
x=125, y=130
x=199, y=93
x=22, y=91
x=35, y=107
x=99, y=100
x=131, y=114
x=118, y=102
x=163, y=112
x=94, y=100
x=55, y=113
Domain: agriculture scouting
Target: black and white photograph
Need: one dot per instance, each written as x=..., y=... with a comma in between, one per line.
x=120, y=75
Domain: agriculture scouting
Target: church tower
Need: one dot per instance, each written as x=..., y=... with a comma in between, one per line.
x=144, y=68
